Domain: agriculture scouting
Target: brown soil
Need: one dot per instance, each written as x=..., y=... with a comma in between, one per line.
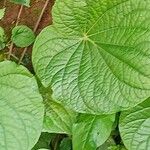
x=29, y=17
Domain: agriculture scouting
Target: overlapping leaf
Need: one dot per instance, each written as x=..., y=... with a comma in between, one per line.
x=58, y=119
x=21, y=108
x=91, y=131
x=135, y=127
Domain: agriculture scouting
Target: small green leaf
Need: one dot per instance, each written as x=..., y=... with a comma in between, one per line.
x=91, y=131
x=2, y=12
x=22, y=2
x=2, y=57
x=21, y=108
x=22, y=36
x=66, y=144
x=135, y=127
x=2, y=38
x=43, y=149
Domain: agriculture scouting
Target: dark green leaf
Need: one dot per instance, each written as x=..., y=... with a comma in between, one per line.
x=44, y=141
x=2, y=38
x=66, y=144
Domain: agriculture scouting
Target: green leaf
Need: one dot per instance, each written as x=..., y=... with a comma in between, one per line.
x=2, y=12
x=44, y=141
x=90, y=55
x=21, y=108
x=22, y=2
x=22, y=36
x=2, y=38
x=91, y=131
x=43, y=149
x=58, y=119
x=66, y=144
x=118, y=147
x=106, y=146
x=2, y=56
x=135, y=127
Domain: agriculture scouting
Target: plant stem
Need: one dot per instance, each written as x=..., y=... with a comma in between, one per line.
x=41, y=15
x=35, y=28
x=19, y=15
x=4, y=4
x=17, y=22
x=56, y=142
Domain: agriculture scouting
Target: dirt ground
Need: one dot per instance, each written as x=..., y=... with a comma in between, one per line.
x=29, y=17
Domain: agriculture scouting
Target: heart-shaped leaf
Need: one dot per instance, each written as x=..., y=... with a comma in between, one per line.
x=90, y=56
